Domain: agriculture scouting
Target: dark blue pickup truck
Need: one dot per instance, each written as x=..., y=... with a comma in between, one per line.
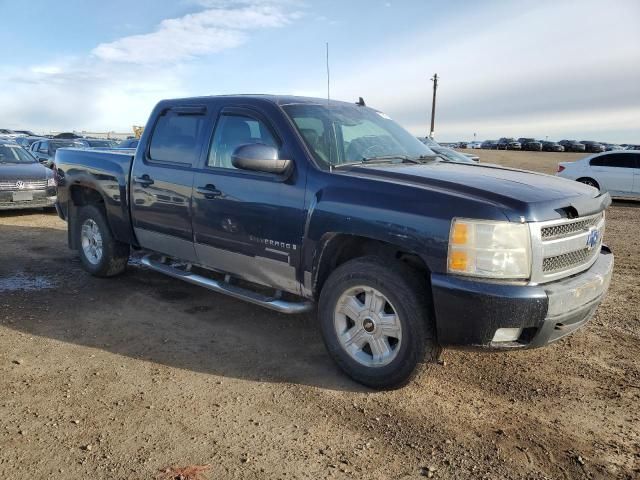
x=292, y=202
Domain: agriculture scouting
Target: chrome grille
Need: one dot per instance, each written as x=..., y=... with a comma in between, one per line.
x=561, y=248
x=568, y=260
x=565, y=229
x=27, y=185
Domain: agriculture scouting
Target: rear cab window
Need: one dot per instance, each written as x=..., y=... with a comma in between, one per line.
x=177, y=136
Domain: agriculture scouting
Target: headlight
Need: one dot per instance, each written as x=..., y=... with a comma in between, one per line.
x=489, y=249
x=51, y=182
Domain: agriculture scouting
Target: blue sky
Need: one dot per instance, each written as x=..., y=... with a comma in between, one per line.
x=528, y=68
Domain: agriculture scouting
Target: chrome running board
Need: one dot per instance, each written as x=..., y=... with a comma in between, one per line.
x=158, y=263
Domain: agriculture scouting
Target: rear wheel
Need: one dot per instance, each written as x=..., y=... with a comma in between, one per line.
x=589, y=181
x=376, y=323
x=100, y=253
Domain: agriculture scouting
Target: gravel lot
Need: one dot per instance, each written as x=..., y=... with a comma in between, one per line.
x=121, y=378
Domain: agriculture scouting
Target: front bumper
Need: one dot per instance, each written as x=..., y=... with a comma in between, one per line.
x=41, y=199
x=468, y=313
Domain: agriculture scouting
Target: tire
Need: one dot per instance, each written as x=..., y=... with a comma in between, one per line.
x=394, y=288
x=589, y=181
x=104, y=256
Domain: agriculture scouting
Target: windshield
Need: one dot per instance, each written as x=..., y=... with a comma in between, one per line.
x=340, y=133
x=55, y=145
x=14, y=154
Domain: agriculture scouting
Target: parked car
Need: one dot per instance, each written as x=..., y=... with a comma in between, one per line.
x=530, y=144
x=632, y=147
x=617, y=173
x=593, y=147
x=403, y=253
x=572, y=146
x=609, y=147
x=26, y=142
x=45, y=150
x=5, y=132
x=462, y=145
x=96, y=142
x=24, y=183
x=508, y=143
x=552, y=147
x=67, y=136
x=489, y=145
x=475, y=145
x=28, y=133
x=128, y=143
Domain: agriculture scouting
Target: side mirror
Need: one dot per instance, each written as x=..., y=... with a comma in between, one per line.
x=258, y=157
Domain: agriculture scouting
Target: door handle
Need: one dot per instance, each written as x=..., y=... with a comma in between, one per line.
x=143, y=181
x=209, y=191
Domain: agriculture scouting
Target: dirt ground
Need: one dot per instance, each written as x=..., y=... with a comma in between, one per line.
x=120, y=378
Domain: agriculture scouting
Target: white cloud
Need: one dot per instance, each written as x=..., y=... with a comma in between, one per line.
x=98, y=93
x=202, y=33
x=518, y=73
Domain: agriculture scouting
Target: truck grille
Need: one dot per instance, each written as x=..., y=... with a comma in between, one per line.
x=565, y=247
x=23, y=185
x=564, y=229
x=567, y=260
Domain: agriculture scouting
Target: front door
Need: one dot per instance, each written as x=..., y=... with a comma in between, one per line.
x=162, y=180
x=249, y=224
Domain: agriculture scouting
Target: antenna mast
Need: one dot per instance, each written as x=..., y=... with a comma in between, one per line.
x=328, y=77
x=434, y=79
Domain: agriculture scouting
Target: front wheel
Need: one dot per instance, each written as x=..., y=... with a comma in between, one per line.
x=376, y=323
x=100, y=253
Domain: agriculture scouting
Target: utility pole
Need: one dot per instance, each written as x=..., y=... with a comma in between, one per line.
x=434, y=79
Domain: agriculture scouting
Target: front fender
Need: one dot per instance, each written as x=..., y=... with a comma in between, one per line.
x=360, y=213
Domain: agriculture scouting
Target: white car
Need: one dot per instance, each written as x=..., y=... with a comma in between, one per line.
x=616, y=172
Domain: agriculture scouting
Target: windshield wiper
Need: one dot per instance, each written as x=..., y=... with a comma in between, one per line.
x=380, y=159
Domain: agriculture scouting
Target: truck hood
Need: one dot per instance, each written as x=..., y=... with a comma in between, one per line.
x=519, y=193
x=23, y=171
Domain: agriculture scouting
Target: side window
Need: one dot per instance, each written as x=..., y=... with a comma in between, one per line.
x=44, y=147
x=619, y=160
x=233, y=131
x=176, y=138
x=315, y=135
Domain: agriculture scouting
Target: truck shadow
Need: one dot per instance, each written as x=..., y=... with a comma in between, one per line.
x=145, y=315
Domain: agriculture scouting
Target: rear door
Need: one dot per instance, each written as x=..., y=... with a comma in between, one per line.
x=614, y=172
x=162, y=180
x=246, y=223
x=636, y=174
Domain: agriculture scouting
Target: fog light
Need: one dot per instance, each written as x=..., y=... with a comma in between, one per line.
x=507, y=334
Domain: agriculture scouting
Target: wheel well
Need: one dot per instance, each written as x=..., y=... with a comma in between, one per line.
x=340, y=248
x=581, y=180
x=81, y=196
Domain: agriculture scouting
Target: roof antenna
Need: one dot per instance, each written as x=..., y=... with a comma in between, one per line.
x=328, y=77
x=360, y=102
